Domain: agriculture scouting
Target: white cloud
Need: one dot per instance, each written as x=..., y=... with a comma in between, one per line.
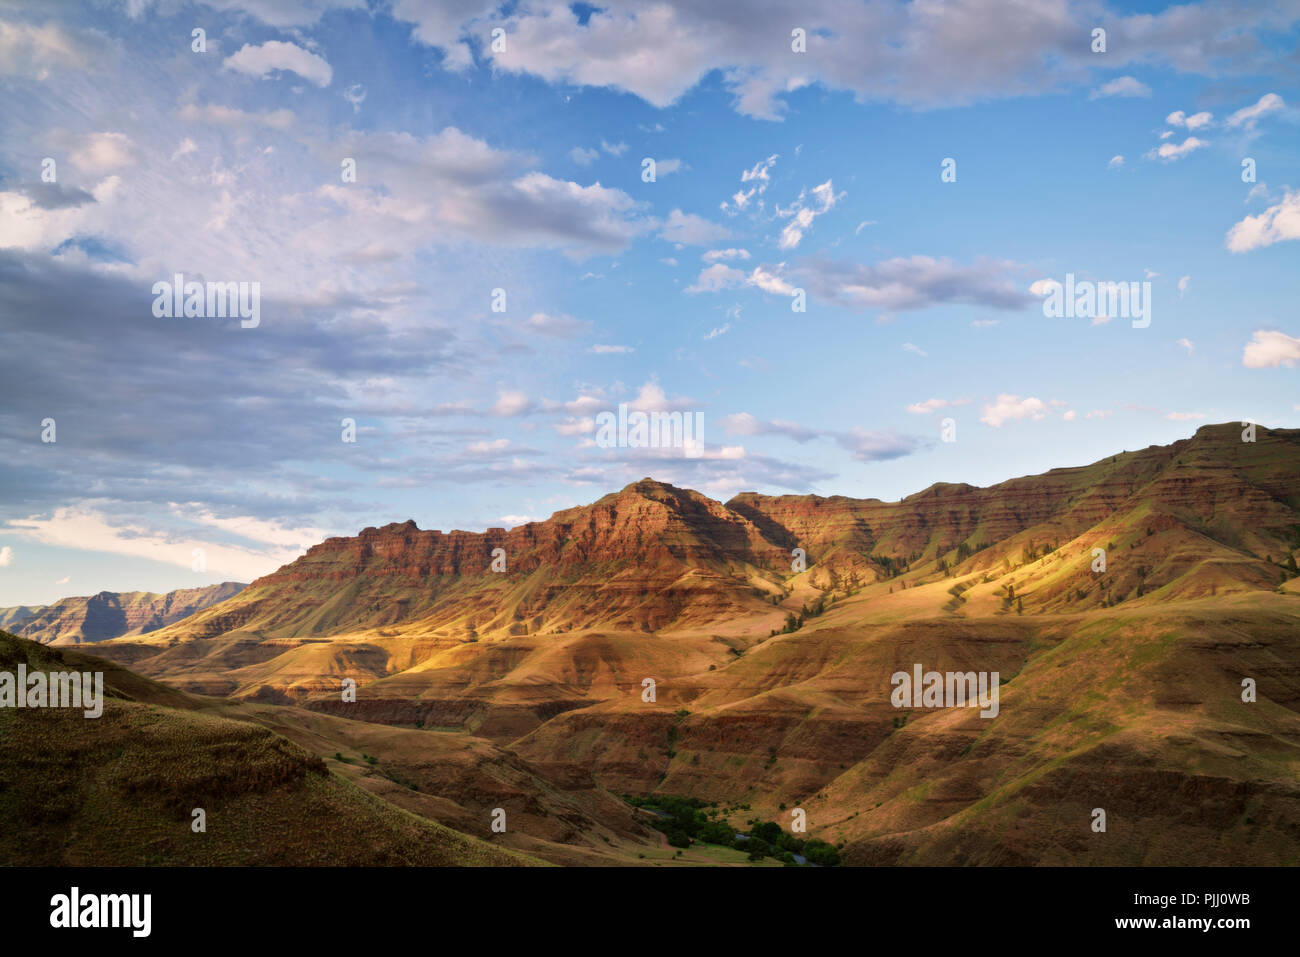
x=450, y=185
x=934, y=405
x=801, y=216
x=34, y=51
x=1188, y=345
x=725, y=255
x=612, y=48
x=721, y=330
x=218, y=115
x=558, y=326
x=910, y=347
x=252, y=528
x=1185, y=416
x=582, y=405
x=719, y=276
x=760, y=174
x=84, y=529
x=877, y=446
x=613, y=149
x=1258, y=191
x=1069, y=416
x=514, y=520
x=6, y=557
x=356, y=95
x=1248, y=115
x=770, y=281
x=583, y=156
x=742, y=423
x=576, y=426
x=442, y=24
x=604, y=350
x=915, y=282
x=278, y=55
x=1121, y=86
x=25, y=225
x=1176, y=151
x=1183, y=283
x=691, y=230
x=275, y=13
x=716, y=277
x=1269, y=349
x=879, y=51
x=1116, y=162
x=511, y=403
x=1012, y=408
x=99, y=152
x=652, y=398
x=1276, y=224
x=1193, y=122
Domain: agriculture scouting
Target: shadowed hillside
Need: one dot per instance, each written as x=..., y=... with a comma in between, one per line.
x=120, y=789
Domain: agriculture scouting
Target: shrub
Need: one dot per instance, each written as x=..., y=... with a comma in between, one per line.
x=717, y=832
x=768, y=832
x=819, y=852
x=677, y=838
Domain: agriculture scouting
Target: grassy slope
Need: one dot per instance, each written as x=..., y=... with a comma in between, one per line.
x=119, y=790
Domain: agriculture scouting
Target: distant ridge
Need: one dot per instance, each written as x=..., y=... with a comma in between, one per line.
x=75, y=621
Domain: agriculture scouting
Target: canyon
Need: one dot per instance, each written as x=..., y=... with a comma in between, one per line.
x=522, y=689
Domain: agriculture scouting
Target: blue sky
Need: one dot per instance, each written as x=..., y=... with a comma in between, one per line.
x=521, y=169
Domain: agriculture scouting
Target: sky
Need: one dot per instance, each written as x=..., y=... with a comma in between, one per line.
x=842, y=264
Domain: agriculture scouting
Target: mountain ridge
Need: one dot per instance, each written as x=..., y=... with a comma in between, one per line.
x=597, y=564
x=1121, y=603
x=93, y=618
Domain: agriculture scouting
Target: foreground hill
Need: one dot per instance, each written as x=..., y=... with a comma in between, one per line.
x=120, y=789
x=75, y=621
x=1122, y=683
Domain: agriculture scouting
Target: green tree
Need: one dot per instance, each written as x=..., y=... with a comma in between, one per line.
x=819, y=852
